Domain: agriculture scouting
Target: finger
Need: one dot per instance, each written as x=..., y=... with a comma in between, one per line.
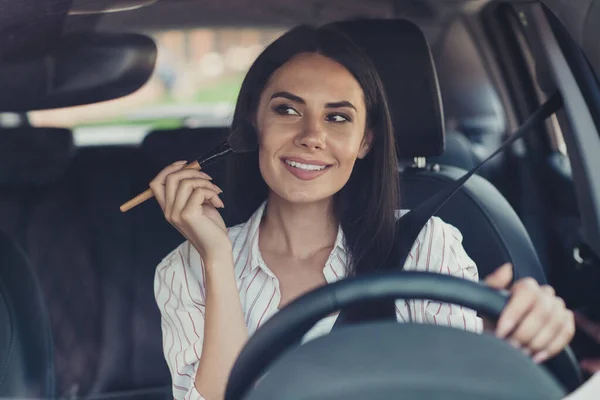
x=501, y=278
x=157, y=184
x=549, y=290
x=169, y=169
x=588, y=326
x=558, y=316
x=521, y=302
x=199, y=198
x=172, y=183
x=534, y=322
x=562, y=339
x=591, y=366
x=184, y=190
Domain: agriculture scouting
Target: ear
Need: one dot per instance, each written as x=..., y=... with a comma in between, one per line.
x=365, y=146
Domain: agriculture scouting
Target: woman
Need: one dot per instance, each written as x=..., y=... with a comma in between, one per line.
x=319, y=197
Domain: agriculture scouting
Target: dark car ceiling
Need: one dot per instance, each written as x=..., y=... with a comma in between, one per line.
x=432, y=16
x=34, y=22
x=166, y=14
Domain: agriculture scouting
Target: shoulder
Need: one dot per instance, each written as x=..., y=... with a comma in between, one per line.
x=174, y=263
x=185, y=259
x=435, y=228
x=438, y=248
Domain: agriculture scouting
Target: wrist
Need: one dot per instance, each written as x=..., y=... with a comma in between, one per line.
x=218, y=261
x=211, y=253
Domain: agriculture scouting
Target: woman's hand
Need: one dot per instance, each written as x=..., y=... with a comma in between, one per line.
x=189, y=201
x=535, y=319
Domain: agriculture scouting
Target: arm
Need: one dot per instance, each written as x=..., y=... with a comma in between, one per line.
x=438, y=249
x=202, y=320
x=451, y=259
x=225, y=331
x=203, y=302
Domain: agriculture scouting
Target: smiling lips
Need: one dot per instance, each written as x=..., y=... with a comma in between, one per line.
x=305, y=170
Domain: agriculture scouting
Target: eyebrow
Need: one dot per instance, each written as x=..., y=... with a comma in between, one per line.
x=298, y=99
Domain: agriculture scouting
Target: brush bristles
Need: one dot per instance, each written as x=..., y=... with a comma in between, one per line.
x=241, y=141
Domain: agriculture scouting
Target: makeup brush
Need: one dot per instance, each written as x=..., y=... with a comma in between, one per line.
x=236, y=143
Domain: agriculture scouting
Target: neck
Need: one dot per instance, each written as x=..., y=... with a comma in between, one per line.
x=297, y=230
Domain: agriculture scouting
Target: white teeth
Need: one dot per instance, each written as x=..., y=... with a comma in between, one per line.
x=306, y=167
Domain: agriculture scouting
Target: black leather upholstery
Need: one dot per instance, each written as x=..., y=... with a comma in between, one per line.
x=492, y=232
x=34, y=156
x=126, y=248
x=43, y=208
x=26, y=350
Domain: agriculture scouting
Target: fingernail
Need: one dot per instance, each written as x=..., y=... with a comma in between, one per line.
x=540, y=357
x=207, y=176
x=180, y=162
x=505, y=326
x=218, y=188
x=514, y=343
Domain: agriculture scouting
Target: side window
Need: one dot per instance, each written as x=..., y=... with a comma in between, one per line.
x=471, y=102
x=519, y=20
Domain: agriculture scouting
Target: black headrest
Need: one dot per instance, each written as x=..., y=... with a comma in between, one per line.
x=167, y=146
x=401, y=54
x=34, y=156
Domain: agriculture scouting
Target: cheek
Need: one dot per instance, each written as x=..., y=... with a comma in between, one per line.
x=272, y=133
x=346, y=150
x=270, y=143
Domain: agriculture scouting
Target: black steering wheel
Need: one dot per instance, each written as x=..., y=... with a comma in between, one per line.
x=288, y=326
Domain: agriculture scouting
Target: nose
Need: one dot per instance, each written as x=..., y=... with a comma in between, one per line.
x=312, y=137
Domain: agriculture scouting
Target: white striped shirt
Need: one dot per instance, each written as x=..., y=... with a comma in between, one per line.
x=180, y=294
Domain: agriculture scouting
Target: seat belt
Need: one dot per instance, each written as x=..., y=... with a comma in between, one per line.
x=410, y=225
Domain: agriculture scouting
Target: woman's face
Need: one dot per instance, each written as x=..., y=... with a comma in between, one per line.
x=311, y=122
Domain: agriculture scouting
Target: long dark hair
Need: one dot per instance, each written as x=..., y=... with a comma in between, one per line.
x=365, y=206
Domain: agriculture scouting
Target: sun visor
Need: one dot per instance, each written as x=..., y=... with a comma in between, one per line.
x=80, y=68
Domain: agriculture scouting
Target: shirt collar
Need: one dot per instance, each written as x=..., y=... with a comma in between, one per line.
x=250, y=244
x=255, y=260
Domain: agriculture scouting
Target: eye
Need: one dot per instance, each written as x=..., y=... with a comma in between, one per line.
x=285, y=109
x=338, y=118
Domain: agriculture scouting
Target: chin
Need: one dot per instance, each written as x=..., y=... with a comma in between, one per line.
x=302, y=197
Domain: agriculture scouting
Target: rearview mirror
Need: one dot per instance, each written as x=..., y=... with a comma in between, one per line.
x=78, y=69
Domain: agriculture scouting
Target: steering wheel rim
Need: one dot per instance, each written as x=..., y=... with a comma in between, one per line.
x=289, y=325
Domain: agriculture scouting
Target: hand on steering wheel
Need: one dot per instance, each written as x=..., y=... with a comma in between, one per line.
x=535, y=320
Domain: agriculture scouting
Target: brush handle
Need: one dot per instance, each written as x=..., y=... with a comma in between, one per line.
x=148, y=194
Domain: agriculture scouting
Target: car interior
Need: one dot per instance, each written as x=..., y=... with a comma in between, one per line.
x=78, y=318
